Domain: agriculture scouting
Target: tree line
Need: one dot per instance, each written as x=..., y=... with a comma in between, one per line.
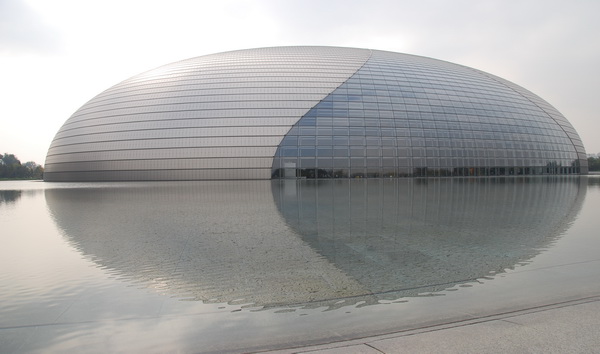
x=12, y=168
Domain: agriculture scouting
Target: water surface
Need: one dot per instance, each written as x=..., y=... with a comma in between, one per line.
x=230, y=266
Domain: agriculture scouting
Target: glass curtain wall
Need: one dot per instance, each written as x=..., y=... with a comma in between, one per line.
x=409, y=116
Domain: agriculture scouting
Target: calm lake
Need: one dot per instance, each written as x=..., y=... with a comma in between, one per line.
x=257, y=265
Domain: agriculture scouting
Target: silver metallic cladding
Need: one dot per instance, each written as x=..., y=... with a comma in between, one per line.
x=219, y=116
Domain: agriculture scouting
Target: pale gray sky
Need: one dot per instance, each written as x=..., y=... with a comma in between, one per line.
x=56, y=55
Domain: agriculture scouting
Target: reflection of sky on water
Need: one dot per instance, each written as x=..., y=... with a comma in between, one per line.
x=280, y=243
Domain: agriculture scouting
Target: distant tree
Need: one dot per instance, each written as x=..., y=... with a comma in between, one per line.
x=10, y=159
x=38, y=173
x=30, y=165
x=11, y=168
x=31, y=168
x=594, y=163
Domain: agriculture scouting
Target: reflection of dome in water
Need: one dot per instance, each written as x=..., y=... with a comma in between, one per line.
x=212, y=241
x=312, y=112
x=406, y=237
x=353, y=240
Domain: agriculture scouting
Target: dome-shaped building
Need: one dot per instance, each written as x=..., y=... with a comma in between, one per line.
x=314, y=112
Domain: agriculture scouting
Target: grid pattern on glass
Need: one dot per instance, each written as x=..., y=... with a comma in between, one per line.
x=313, y=112
x=559, y=118
x=219, y=116
x=402, y=115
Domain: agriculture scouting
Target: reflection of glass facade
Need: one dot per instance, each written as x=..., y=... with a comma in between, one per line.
x=313, y=112
x=403, y=237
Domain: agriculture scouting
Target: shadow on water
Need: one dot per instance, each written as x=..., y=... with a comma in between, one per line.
x=289, y=244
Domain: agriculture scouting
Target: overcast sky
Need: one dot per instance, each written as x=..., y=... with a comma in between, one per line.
x=56, y=55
